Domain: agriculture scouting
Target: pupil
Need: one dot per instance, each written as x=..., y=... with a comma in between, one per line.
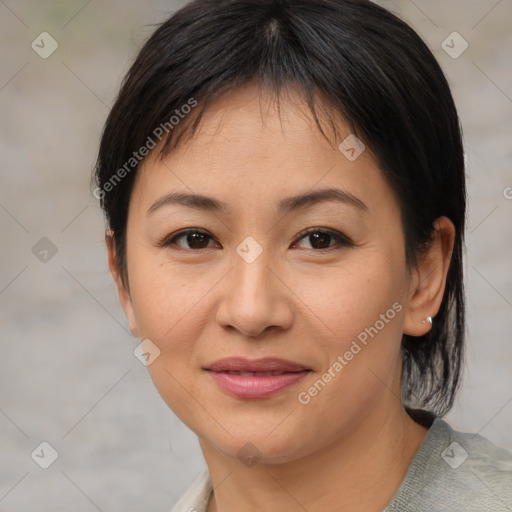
x=196, y=240
x=320, y=239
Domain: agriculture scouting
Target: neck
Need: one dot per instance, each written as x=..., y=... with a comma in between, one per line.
x=358, y=472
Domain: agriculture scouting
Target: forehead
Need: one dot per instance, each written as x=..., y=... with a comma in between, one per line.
x=249, y=152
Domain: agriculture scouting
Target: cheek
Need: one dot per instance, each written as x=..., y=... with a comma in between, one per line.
x=171, y=309
x=360, y=309
x=169, y=299
x=347, y=301
x=362, y=368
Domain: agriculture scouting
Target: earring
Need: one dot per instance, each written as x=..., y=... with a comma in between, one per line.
x=429, y=319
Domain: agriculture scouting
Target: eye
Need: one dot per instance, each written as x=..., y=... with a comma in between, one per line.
x=195, y=239
x=321, y=239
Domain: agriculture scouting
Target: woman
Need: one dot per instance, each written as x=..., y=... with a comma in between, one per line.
x=284, y=189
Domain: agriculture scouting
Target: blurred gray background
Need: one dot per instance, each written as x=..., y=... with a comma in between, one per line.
x=68, y=375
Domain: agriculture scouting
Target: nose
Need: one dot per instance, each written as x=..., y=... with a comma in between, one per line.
x=255, y=298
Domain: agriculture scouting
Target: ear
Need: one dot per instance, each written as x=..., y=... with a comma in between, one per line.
x=428, y=280
x=124, y=294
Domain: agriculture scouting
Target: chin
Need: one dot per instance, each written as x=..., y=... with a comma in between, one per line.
x=248, y=443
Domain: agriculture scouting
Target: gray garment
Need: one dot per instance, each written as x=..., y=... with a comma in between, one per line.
x=455, y=472
x=450, y=472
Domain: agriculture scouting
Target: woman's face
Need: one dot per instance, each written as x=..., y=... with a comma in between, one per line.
x=268, y=277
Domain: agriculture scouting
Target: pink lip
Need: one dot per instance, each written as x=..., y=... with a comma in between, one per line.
x=255, y=386
x=265, y=364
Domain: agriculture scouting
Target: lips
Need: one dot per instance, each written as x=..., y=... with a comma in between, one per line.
x=270, y=365
x=260, y=374
x=261, y=378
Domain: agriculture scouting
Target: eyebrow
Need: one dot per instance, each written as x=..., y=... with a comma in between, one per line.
x=298, y=202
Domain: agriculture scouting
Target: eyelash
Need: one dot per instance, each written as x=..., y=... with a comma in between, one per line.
x=338, y=237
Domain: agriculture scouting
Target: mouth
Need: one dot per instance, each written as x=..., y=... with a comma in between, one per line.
x=263, y=365
x=261, y=378
x=254, y=374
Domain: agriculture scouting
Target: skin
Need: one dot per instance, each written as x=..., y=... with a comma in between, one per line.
x=350, y=446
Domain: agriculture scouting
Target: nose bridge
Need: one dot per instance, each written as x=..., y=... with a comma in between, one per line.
x=255, y=299
x=251, y=272
x=251, y=278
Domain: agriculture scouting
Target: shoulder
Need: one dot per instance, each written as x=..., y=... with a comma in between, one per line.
x=454, y=471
